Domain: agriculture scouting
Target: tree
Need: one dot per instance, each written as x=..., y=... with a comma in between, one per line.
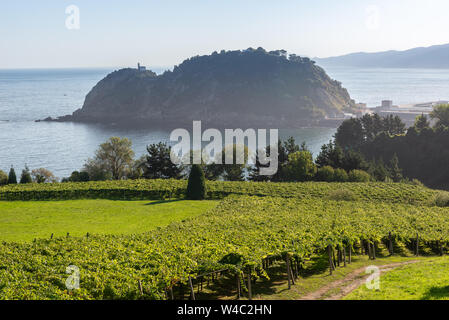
x=196, y=187
x=12, y=178
x=353, y=160
x=158, y=164
x=330, y=155
x=74, y=177
x=441, y=115
x=300, y=167
x=26, y=176
x=350, y=134
x=395, y=170
x=77, y=176
x=421, y=122
x=115, y=156
x=372, y=126
x=136, y=169
x=284, y=150
x=3, y=178
x=393, y=125
x=290, y=146
x=42, y=175
x=423, y=155
x=97, y=170
x=378, y=170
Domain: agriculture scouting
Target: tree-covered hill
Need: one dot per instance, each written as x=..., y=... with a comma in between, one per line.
x=232, y=88
x=424, y=57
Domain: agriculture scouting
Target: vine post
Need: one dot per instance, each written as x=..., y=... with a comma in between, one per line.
x=250, y=295
x=192, y=291
x=417, y=245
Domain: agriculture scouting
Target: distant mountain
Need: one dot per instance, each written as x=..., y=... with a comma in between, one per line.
x=231, y=88
x=429, y=57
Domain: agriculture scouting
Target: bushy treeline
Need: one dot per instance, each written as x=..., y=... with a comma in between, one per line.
x=40, y=175
x=333, y=164
x=422, y=150
x=114, y=160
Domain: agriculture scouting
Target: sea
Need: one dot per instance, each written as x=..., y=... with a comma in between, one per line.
x=28, y=95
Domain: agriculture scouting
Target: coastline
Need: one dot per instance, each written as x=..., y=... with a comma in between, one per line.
x=215, y=123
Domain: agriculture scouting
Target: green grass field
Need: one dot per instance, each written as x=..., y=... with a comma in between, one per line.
x=24, y=221
x=426, y=280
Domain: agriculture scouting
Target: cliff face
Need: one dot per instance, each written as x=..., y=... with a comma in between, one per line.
x=234, y=88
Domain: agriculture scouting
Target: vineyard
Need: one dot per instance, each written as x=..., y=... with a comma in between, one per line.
x=164, y=189
x=240, y=237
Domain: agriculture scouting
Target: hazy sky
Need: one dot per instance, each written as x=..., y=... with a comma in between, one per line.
x=164, y=32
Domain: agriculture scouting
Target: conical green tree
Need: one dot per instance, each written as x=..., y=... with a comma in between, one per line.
x=26, y=176
x=12, y=178
x=196, y=188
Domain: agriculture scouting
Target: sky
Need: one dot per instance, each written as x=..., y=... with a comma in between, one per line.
x=41, y=34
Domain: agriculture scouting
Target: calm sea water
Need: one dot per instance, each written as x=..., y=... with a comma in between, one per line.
x=27, y=95
x=403, y=86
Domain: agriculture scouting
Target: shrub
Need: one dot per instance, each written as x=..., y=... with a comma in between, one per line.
x=3, y=178
x=77, y=176
x=359, y=176
x=300, y=166
x=416, y=182
x=340, y=175
x=196, y=187
x=442, y=199
x=342, y=195
x=325, y=173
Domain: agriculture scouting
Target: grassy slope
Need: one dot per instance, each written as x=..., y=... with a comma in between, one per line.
x=427, y=280
x=24, y=221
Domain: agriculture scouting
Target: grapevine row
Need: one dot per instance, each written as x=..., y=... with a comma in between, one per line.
x=162, y=189
x=238, y=235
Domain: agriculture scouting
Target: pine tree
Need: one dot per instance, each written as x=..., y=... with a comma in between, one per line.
x=196, y=188
x=26, y=176
x=12, y=178
x=158, y=164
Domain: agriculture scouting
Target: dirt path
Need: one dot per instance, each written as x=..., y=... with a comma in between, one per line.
x=351, y=282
